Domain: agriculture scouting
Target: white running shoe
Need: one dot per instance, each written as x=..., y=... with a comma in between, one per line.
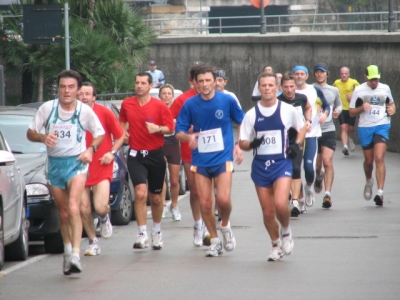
x=198, y=236
x=106, y=228
x=309, y=198
x=157, y=241
x=176, y=214
x=165, y=211
x=141, y=242
x=368, y=189
x=287, y=243
x=94, y=248
x=302, y=206
x=229, y=239
x=66, y=264
x=295, y=209
x=352, y=145
x=276, y=253
x=75, y=264
x=215, y=249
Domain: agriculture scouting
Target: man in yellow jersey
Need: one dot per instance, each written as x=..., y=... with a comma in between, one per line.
x=346, y=86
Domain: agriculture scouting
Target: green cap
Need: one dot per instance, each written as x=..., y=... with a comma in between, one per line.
x=373, y=72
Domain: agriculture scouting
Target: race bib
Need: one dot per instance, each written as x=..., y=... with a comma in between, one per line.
x=272, y=143
x=377, y=112
x=210, y=141
x=66, y=134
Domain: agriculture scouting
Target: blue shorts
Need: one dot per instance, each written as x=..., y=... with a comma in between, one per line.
x=61, y=169
x=265, y=173
x=366, y=134
x=214, y=171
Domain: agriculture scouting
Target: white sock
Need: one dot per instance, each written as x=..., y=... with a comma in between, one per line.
x=276, y=242
x=379, y=192
x=225, y=227
x=345, y=146
x=214, y=240
x=67, y=249
x=370, y=180
x=156, y=227
x=327, y=193
x=286, y=230
x=198, y=223
x=143, y=229
x=308, y=187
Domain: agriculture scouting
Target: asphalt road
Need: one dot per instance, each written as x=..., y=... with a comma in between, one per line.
x=347, y=252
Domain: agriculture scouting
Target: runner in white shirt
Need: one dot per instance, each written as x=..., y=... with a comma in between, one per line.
x=373, y=102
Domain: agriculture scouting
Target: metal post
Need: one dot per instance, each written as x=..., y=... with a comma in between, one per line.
x=66, y=20
x=392, y=27
x=263, y=23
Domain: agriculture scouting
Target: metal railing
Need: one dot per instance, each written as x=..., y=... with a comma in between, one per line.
x=275, y=23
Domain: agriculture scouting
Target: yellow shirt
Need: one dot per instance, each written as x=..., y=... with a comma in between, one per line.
x=345, y=88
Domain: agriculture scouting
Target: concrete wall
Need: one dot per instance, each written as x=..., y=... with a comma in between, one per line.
x=243, y=57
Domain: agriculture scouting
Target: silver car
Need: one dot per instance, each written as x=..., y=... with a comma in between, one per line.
x=13, y=203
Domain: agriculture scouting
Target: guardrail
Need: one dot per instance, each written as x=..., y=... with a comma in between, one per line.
x=275, y=23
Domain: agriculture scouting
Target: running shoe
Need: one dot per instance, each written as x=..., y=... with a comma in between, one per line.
x=75, y=264
x=309, y=198
x=345, y=151
x=106, y=228
x=157, y=241
x=352, y=145
x=176, y=214
x=295, y=209
x=287, y=243
x=327, y=202
x=318, y=183
x=378, y=200
x=141, y=242
x=368, y=189
x=66, y=264
x=206, y=238
x=165, y=212
x=215, y=249
x=216, y=213
x=229, y=239
x=94, y=248
x=198, y=236
x=302, y=206
x=276, y=253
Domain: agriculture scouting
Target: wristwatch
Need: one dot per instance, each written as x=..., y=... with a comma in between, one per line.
x=94, y=148
x=113, y=151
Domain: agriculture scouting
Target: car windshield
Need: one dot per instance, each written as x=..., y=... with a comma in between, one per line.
x=14, y=129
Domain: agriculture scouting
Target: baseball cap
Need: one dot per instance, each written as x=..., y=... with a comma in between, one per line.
x=221, y=73
x=372, y=72
x=321, y=66
x=152, y=62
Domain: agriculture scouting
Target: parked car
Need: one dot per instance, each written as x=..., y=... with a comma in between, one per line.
x=13, y=208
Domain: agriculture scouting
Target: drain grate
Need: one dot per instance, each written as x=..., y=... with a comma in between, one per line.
x=336, y=237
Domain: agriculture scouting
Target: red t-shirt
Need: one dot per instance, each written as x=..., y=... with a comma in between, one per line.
x=112, y=128
x=175, y=108
x=155, y=111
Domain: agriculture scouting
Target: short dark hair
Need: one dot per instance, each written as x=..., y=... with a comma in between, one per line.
x=287, y=77
x=265, y=75
x=145, y=74
x=70, y=74
x=266, y=66
x=87, y=83
x=194, y=69
x=205, y=69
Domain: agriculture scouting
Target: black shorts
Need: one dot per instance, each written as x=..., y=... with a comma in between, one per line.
x=172, y=153
x=328, y=139
x=344, y=118
x=147, y=167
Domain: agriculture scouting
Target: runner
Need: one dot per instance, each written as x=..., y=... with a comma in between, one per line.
x=100, y=170
x=327, y=141
x=65, y=121
x=211, y=113
x=264, y=130
x=299, y=101
x=373, y=102
x=201, y=235
x=172, y=153
x=346, y=86
x=221, y=81
x=147, y=120
x=255, y=96
x=317, y=100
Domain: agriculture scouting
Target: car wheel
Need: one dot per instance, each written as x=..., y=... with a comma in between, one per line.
x=19, y=249
x=123, y=215
x=53, y=243
x=182, y=181
x=1, y=239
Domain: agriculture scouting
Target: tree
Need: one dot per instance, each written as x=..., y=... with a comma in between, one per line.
x=108, y=41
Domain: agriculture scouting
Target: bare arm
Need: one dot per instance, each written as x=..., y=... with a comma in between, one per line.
x=49, y=140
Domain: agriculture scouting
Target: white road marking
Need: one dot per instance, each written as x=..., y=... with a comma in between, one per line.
x=23, y=264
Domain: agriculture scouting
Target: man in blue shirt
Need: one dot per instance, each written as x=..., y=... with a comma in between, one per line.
x=158, y=75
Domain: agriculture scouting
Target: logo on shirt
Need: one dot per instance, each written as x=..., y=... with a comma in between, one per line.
x=375, y=100
x=288, y=173
x=260, y=119
x=219, y=114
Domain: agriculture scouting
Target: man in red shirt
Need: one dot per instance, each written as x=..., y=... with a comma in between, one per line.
x=200, y=233
x=100, y=170
x=146, y=119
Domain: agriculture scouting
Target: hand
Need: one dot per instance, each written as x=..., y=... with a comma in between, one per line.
x=335, y=114
x=291, y=151
x=151, y=127
x=193, y=141
x=50, y=140
x=256, y=142
x=322, y=117
x=107, y=159
x=237, y=154
x=126, y=138
x=86, y=156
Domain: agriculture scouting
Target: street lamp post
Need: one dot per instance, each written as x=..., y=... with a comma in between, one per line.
x=392, y=27
x=263, y=24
